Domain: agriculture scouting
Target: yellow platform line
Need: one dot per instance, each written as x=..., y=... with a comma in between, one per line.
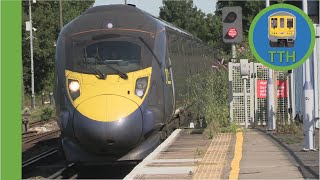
x=235, y=164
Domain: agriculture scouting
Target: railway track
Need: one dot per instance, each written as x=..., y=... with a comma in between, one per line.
x=34, y=137
x=39, y=157
x=68, y=172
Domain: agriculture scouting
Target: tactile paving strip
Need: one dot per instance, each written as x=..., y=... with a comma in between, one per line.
x=211, y=166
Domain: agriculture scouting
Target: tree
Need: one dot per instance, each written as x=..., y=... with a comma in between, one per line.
x=185, y=15
x=45, y=17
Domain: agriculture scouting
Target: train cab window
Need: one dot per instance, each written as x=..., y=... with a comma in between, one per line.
x=274, y=22
x=290, y=23
x=281, y=22
x=123, y=53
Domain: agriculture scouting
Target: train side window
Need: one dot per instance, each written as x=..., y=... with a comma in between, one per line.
x=281, y=22
x=274, y=22
x=290, y=23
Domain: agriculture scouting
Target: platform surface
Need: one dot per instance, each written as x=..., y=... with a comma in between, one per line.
x=264, y=159
x=185, y=156
x=251, y=154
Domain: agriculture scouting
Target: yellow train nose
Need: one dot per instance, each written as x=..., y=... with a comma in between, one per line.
x=107, y=108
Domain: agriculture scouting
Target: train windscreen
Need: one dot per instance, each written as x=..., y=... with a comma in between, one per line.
x=290, y=23
x=281, y=22
x=124, y=53
x=274, y=22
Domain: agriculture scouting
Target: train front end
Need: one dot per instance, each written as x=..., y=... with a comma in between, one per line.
x=104, y=67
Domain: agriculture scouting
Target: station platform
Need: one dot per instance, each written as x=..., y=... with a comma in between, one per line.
x=252, y=154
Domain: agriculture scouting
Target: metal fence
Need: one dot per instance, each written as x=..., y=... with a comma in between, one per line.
x=256, y=95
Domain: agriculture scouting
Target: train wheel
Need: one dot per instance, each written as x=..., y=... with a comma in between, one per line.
x=282, y=43
x=290, y=44
x=273, y=44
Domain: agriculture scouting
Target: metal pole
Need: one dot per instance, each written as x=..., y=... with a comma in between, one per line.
x=308, y=116
x=316, y=75
x=234, y=52
x=270, y=94
x=270, y=103
x=125, y=2
x=293, y=102
x=245, y=101
x=33, y=101
x=289, y=90
x=61, y=18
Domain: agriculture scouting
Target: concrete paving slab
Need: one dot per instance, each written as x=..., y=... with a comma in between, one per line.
x=264, y=159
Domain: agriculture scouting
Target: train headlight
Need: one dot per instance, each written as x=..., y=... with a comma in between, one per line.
x=141, y=86
x=74, y=88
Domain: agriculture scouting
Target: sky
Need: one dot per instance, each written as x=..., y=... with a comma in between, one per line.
x=152, y=6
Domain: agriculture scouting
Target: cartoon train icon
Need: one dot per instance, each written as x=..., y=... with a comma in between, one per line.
x=282, y=29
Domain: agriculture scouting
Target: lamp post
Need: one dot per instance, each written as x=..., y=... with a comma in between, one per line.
x=31, y=56
x=308, y=94
x=61, y=18
x=270, y=95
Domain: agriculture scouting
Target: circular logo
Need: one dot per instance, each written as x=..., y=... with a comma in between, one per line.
x=282, y=37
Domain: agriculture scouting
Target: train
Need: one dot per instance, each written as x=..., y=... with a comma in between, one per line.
x=282, y=29
x=120, y=82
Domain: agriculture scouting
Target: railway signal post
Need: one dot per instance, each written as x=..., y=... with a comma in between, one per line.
x=232, y=26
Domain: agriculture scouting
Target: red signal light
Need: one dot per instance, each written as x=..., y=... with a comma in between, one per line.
x=232, y=32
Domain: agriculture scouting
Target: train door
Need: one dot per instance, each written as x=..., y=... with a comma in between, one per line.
x=169, y=97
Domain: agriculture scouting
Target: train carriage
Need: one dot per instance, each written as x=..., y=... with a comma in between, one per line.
x=282, y=29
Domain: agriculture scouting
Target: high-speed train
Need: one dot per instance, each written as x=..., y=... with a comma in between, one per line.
x=120, y=82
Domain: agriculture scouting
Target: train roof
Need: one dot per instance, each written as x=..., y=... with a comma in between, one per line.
x=281, y=13
x=121, y=16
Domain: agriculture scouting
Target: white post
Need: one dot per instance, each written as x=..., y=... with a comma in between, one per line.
x=245, y=101
x=270, y=103
x=33, y=101
x=270, y=94
x=316, y=64
x=308, y=116
x=233, y=51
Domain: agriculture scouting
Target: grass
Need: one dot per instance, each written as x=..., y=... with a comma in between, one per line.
x=290, y=128
x=40, y=112
x=290, y=140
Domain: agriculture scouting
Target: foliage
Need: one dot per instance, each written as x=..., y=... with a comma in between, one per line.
x=45, y=18
x=290, y=138
x=209, y=97
x=291, y=128
x=208, y=27
x=46, y=114
x=185, y=15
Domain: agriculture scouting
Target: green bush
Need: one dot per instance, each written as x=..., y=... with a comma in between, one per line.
x=208, y=94
x=46, y=114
